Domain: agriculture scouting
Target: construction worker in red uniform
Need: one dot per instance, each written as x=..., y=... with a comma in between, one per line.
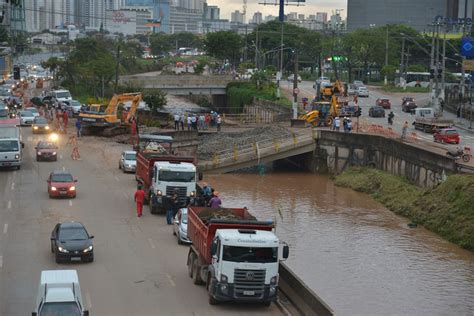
x=139, y=198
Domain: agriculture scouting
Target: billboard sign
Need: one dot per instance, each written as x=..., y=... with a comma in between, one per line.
x=467, y=47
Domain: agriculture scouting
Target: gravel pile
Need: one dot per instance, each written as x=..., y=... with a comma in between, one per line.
x=209, y=214
x=226, y=141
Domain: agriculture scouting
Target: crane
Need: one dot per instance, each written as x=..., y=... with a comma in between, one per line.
x=244, y=8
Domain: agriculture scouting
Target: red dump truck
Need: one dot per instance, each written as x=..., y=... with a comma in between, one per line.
x=161, y=172
x=234, y=254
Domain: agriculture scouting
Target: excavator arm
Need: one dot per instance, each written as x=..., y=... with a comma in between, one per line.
x=133, y=109
x=117, y=99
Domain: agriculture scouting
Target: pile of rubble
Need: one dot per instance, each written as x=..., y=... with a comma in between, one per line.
x=211, y=144
x=209, y=214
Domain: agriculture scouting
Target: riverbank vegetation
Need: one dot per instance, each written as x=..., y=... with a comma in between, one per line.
x=447, y=209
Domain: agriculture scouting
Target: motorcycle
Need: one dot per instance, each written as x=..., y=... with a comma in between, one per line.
x=460, y=153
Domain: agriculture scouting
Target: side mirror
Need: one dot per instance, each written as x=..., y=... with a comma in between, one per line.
x=22, y=145
x=36, y=147
x=286, y=252
x=33, y=314
x=91, y=237
x=85, y=313
x=213, y=249
x=75, y=180
x=200, y=176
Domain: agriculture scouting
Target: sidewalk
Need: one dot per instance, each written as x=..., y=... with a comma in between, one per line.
x=460, y=123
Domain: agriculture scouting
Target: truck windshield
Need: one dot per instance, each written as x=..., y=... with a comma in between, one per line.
x=176, y=176
x=250, y=254
x=60, y=309
x=9, y=145
x=63, y=95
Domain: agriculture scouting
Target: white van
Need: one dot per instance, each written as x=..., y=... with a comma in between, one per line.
x=61, y=95
x=59, y=293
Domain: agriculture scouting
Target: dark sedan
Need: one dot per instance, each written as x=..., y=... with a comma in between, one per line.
x=46, y=151
x=70, y=241
x=377, y=111
x=409, y=107
x=40, y=125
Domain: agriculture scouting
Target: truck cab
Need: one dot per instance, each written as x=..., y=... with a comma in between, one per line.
x=171, y=176
x=244, y=265
x=10, y=144
x=59, y=293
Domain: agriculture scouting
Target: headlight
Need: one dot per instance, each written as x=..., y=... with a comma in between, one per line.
x=53, y=189
x=274, y=280
x=223, y=278
x=46, y=127
x=61, y=249
x=193, y=193
x=158, y=192
x=72, y=189
x=17, y=156
x=88, y=249
x=35, y=127
x=54, y=153
x=39, y=153
x=53, y=137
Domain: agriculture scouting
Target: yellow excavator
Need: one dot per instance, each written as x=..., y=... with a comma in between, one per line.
x=323, y=112
x=100, y=119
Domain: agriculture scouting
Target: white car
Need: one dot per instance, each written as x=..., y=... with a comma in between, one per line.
x=26, y=117
x=351, y=89
x=33, y=110
x=180, y=226
x=358, y=83
x=322, y=79
x=363, y=91
x=73, y=105
x=128, y=161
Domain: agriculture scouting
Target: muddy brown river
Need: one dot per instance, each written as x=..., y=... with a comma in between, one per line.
x=358, y=256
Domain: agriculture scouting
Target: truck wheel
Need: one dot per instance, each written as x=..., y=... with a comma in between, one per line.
x=212, y=300
x=196, y=272
x=190, y=264
x=466, y=158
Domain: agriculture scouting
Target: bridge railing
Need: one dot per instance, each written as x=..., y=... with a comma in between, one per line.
x=256, y=150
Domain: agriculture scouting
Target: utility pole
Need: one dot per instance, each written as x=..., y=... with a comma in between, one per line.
x=295, y=86
x=432, y=62
x=385, y=81
x=436, y=61
x=443, y=64
x=280, y=75
x=402, y=62
x=117, y=65
x=256, y=48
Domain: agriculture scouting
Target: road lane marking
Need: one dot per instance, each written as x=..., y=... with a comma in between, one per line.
x=170, y=278
x=9, y=204
x=117, y=179
x=152, y=245
x=70, y=202
x=125, y=195
x=1, y=261
x=13, y=185
x=60, y=156
x=5, y=228
x=88, y=300
x=64, y=168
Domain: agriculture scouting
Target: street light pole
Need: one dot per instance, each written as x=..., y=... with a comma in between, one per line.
x=385, y=81
x=280, y=77
x=402, y=62
x=295, y=86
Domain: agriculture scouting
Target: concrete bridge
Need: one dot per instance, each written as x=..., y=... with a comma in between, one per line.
x=180, y=84
x=261, y=152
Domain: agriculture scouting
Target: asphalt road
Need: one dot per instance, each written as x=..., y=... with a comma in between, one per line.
x=422, y=99
x=138, y=270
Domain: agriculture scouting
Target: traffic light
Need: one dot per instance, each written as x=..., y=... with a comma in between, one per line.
x=358, y=111
x=16, y=73
x=431, y=73
x=440, y=71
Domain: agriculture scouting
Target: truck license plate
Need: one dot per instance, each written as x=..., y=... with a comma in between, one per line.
x=249, y=293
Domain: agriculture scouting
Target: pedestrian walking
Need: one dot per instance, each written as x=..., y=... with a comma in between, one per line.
x=189, y=122
x=219, y=122
x=458, y=111
x=404, y=129
x=215, y=201
x=176, y=122
x=207, y=121
x=194, y=122
x=348, y=125
x=172, y=207
x=134, y=131
x=201, y=121
x=139, y=199
x=75, y=148
x=65, y=120
x=337, y=123
x=79, y=127
x=181, y=121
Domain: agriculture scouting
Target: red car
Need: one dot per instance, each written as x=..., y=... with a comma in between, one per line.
x=447, y=135
x=385, y=103
x=61, y=184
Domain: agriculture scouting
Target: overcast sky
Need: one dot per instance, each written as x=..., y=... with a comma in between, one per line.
x=311, y=7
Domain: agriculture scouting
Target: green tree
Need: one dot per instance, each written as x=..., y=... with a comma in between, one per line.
x=156, y=99
x=160, y=43
x=389, y=71
x=223, y=45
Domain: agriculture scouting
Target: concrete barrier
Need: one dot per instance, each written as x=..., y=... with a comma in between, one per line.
x=303, y=298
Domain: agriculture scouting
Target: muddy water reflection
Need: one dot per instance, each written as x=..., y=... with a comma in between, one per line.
x=360, y=257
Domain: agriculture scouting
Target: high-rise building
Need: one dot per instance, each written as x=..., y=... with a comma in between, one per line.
x=257, y=18
x=212, y=12
x=417, y=14
x=237, y=17
x=322, y=17
x=292, y=16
